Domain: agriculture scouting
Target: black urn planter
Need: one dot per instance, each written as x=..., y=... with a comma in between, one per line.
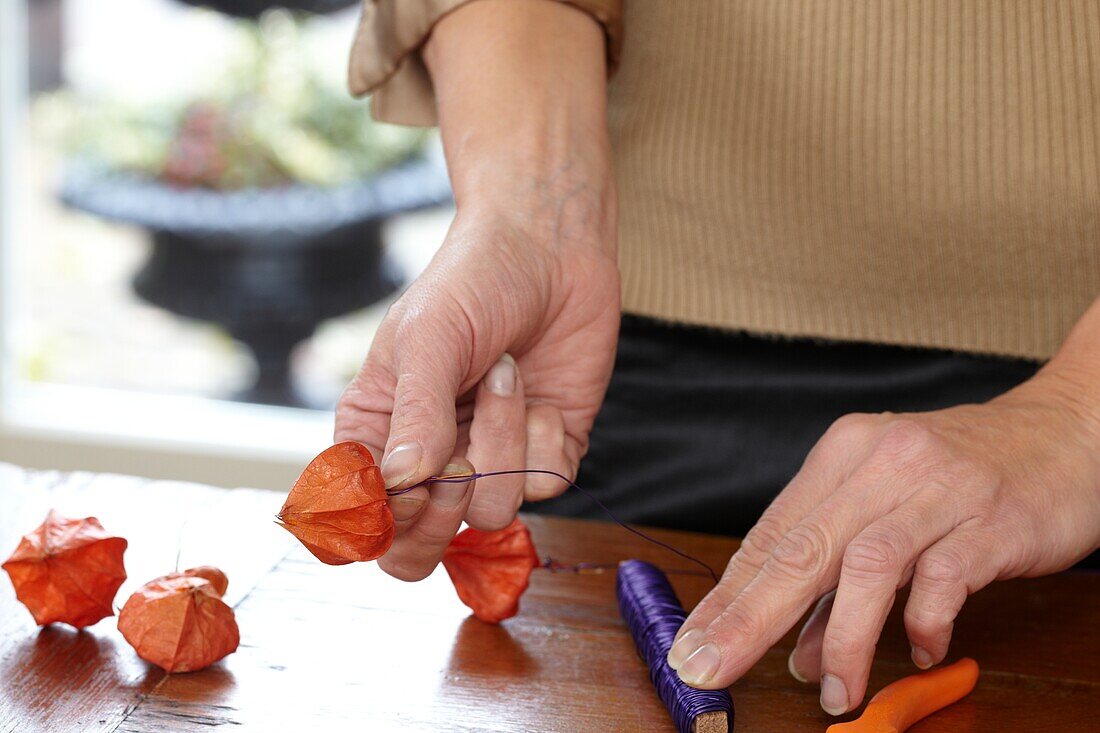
x=254, y=8
x=266, y=264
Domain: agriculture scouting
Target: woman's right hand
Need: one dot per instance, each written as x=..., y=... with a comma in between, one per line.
x=437, y=385
x=501, y=351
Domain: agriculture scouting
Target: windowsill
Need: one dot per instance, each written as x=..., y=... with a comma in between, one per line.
x=136, y=420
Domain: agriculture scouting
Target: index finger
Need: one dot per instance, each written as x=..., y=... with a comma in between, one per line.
x=423, y=427
x=804, y=565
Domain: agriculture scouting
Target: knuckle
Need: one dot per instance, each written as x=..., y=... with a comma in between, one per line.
x=761, y=540
x=905, y=439
x=803, y=552
x=929, y=621
x=737, y=623
x=853, y=427
x=872, y=556
x=940, y=570
x=939, y=590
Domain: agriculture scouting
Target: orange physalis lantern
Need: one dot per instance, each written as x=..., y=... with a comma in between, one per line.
x=179, y=621
x=338, y=509
x=216, y=577
x=491, y=570
x=67, y=570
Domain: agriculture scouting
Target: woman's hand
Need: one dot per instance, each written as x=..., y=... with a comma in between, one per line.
x=948, y=500
x=440, y=382
x=500, y=353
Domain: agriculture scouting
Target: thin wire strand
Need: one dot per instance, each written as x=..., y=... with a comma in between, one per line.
x=586, y=492
x=597, y=568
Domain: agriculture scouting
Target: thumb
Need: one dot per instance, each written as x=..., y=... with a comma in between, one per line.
x=422, y=426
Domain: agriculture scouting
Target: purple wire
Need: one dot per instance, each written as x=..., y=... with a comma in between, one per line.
x=653, y=613
x=595, y=568
x=590, y=495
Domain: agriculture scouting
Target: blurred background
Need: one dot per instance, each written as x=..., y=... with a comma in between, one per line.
x=200, y=231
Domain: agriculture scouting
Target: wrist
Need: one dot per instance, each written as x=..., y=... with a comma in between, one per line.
x=1071, y=377
x=559, y=204
x=520, y=88
x=1073, y=395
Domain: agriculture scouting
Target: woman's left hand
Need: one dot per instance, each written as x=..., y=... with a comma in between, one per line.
x=948, y=500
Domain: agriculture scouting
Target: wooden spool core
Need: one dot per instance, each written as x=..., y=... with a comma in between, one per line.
x=716, y=722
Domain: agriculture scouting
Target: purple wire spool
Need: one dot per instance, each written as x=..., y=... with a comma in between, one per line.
x=653, y=613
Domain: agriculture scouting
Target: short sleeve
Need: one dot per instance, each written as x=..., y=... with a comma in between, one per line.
x=386, y=62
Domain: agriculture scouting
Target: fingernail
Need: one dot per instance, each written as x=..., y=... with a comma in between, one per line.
x=406, y=507
x=401, y=463
x=922, y=658
x=455, y=470
x=834, y=695
x=448, y=495
x=698, y=668
x=794, y=672
x=684, y=646
x=501, y=379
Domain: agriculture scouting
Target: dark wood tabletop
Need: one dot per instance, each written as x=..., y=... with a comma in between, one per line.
x=350, y=649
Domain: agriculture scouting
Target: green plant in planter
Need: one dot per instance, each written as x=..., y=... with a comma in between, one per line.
x=270, y=120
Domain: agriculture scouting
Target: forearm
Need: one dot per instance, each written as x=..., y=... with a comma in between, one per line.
x=521, y=93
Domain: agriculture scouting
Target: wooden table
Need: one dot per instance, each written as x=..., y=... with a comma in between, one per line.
x=348, y=648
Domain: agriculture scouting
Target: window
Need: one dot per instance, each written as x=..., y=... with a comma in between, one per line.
x=200, y=231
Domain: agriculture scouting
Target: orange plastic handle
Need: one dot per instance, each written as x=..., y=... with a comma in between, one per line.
x=900, y=704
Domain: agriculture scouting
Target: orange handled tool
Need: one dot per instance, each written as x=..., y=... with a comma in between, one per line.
x=900, y=704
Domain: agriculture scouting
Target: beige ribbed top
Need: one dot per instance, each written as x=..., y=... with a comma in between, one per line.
x=923, y=173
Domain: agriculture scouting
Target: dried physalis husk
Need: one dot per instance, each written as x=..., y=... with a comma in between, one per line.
x=179, y=621
x=337, y=507
x=68, y=571
x=491, y=570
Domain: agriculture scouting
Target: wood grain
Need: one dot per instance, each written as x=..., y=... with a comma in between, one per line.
x=348, y=648
x=57, y=679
